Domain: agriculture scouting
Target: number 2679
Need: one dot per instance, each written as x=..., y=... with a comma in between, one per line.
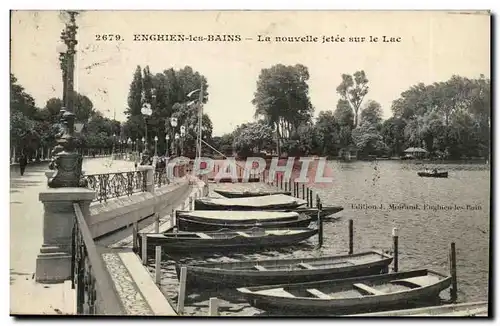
x=108, y=37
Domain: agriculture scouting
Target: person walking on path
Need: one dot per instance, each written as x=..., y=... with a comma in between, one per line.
x=23, y=161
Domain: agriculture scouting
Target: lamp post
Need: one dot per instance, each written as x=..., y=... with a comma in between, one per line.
x=183, y=133
x=146, y=112
x=129, y=143
x=167, y=138
x=200, y=117
x=156, y=145
x=68, y=162
x=176, y=140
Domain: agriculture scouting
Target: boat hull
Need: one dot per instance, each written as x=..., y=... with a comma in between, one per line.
x=433, y=175
x=186, y=224
x=262, y=203
x=186, y=244
x=199, y=205
x=342, y=306
x=200, y=276
x=245, y=194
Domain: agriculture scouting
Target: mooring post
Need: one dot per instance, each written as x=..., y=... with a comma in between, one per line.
x=158, y=265
x=182, y=290
x=134, y=238
x=319, y=221
x=453, y=272
x=286, y=184
x=395, y=248
x=290, y=184
x=213, y=307
x=144, y=251
x=351, y=237
x=157, y=223
x=172, y=218
x=311, y=197
x=303, y=191
x=281, y=181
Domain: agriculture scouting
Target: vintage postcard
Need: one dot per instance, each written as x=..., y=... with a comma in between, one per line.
x=250, y=163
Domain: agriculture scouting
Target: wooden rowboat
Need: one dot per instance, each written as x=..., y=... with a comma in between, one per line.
x=433, y=174
x=272, y=202
x=358, y=294
x=245, y=194
x=326, y=211
x=238, y=220
x=277, y=271
x=228, y=240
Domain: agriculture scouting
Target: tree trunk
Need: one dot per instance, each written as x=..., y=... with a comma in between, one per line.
x=278, y=147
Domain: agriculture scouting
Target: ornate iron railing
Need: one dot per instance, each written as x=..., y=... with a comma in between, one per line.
x=95, y=294
x=112, y=185
x=161, y=177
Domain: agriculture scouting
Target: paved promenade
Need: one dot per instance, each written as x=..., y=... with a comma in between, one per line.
x=26, y=236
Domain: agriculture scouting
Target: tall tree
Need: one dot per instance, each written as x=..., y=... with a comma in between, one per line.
x=327, y=133
x=353, y=89
x=135, y=94
x=372, y=113
x=282, y=99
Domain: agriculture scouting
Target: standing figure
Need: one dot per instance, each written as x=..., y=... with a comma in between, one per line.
x=23, y=161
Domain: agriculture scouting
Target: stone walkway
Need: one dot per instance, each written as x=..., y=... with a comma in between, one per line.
x=26, y=236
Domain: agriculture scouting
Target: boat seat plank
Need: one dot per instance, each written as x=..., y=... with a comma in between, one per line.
x=260, y=268
x=367, y=289
x=278, y=292
x=306, y=266
x=243, y=234
x=420, y=281
x=203, y=235
x=319, y=294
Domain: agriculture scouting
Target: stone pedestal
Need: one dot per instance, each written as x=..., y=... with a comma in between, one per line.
x=150, y=178
x=49, y=174
x=53, y=264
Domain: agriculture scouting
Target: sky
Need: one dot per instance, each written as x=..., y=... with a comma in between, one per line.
x=433, y=46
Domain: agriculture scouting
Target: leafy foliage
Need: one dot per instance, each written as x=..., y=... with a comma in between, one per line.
x=282, y=99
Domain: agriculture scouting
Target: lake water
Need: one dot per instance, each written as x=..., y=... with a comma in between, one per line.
x=430, y=213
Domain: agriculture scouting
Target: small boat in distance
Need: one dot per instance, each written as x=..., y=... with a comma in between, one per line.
x=279, y=271
x=433, y=174
x=245, y=194
x=221, y=240
x=272, y=202
x=351, y=295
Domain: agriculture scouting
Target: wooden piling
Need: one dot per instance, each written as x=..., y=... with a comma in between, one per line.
x=286, y=186
x=395, y=249
x=319, y=206
x=290, y=184
x=213, y=307
x=281, y=181
x=351, y=237
x=157, y=223
x=158, y=265
x=453, y=273
x=134, y=238
x=303, y=191
x=182, y=290
x=144, y=251
x=310, y=198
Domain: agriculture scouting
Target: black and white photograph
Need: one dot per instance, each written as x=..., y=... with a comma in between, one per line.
x=250, y=163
